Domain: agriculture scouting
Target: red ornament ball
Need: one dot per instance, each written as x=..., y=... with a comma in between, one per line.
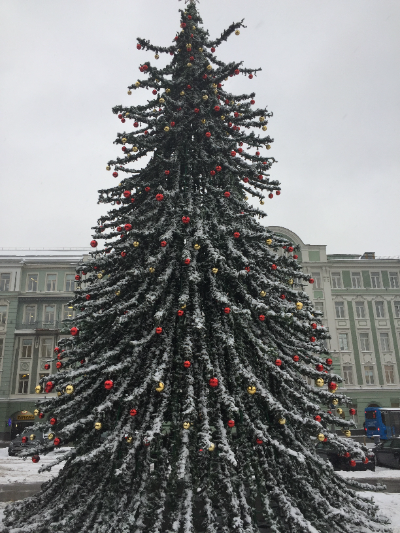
x=274, y=267
x=236, y=234
x=74, y=331
x=290, y=249
x=59, y=365
x=163, y=244
x=24, y=440
x=212, y=172
x=227, y=310
x=250, y=76
x=227, y=194
x=186, y=220
x=128, y=227
x=147, y=189
x=158, y=330
x=166, y=172
x=127, y=194
x=319, y=367
x=278, y=362
x=366, y=460
x=261, y=318
x=296, y=358
x=217, y=108
x=138, y=46
x=332, y=385
x=133, y=412
x=197, y=110
x=41, y=415
x=295, y=256
x=317, y=418
x=49, y=386
x=329, y=361
x=159, y=197
x=218, y=168
x=247, y=269
x=122, y=120
x=47, y=366
x=314, y=325
x=208, y=134
x=77, y=277
x=57, y=441
x=213, y=382
x=231, y=423
x=35, y=458
x=180, y=312
x=283, y=297
x=246, y=180
x=346, y=454
x=57, y=349
x=183, y=25
x=313, y=339
x=93, y=243
x=187, y=261
x=233, y=153
x=311, y=280
x=53, y=421
x=172, y=124
x=109, y=384
x=259, y=441
x=115, y=174
x=270, y=195
x=352, y=411
x=154, y=91
x=87, y=297
x=212, y=49
x=123, y=254
x=237, y=71
x=352, y=463
x=119, y=228
x=187, y=364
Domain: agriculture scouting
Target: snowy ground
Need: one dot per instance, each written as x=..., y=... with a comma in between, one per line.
x=16, y=470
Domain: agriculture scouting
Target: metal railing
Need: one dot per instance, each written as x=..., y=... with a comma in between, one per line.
x=40, y=325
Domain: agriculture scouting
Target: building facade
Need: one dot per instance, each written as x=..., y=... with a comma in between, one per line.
x=35, y=288
x=358, y=295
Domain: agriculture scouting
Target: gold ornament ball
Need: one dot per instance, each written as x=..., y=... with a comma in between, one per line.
x=237, y=32
x=205, y=97
x=137, y=84
x=268, y=146
x=129, y=440
x=262, y=119
x=321, y=437
x=135, y=149
x=36, y=412
x=222, y=117
x=135, y=244
x=186, y=425
x=59, y=393
x=166, y=128
x=246, y=197
x=182, y=93
x=32, y=437
x=214, y=85
x=264, y=128
x=339, y=411
x=282, y=421
x=97, y=425
x=38, y=389
x=50, y=436
x=347, y=433
x=152, y=270
x=269, y=242
x=129, y=92
x=127, y=114
x=69, y=389
x=200, y=49
x=168, y=90
x=118, y=293
x=193, y=27
x=209, y=67
x=263, y=294
x=162, y=101
x=157, y=56
x=211, y=448
x=160, y=387
x=335, y=401
x=251, y=389
x=197, y=247
x=299, y=306
x=262, y=202
x=108, y=167
x=215, y=270
x=319, y=382
x=99, y=275
x=124, y=140
x=203, y=120
x=189, y=65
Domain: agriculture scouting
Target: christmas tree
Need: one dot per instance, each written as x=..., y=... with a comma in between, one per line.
x=184, y=387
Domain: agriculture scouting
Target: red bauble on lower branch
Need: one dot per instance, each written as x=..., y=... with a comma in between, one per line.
x=218, y=168
x=329, y=362
x=35, y=458
x=187, y=261
x=278, y=362
x=159, y=197
x=231, y=423
x=88, y=297
x=213, y=382
x=49, y=386
x=313, y=339
x=109, y=384
x=314, y=325
x=180, y=312
x=128, y=227
x=41, y=415
x=317, y=418
x=261, y=318
x=24, y=440
x=208, y=134
x=93, y=243
x=227, y=310
x=274, y=267
x=332, y=386
x=212, y=172
x=57, y=441
x=236, y=234
x=227, y=194
x=74, y=331
x=187, y=364
x=311, y=280
x=246, y=180
x=352, y=411
x=163, y=244
x=259, y=441
x=296, y=358
x=59, y=365
x=319, y=367
x=47, y=366
x=185, y=220
x=123, y=254
x=133, y=412
x=352, y=463
x=158, y=330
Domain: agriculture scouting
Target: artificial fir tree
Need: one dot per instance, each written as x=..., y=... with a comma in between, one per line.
x=183, y=387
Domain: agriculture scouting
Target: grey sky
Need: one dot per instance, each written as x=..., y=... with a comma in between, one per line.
x=330, y=75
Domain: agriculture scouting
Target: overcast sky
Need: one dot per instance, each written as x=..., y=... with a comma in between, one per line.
x=330, y=74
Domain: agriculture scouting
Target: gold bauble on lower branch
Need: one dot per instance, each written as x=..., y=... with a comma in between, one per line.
x=118, y=293
x=319, y=382
x=263, y=294
x=124, y=139
x=129, y=92
x=50, y=436
x=339, y=411
x=321, y=437
x=237, y=32
x=137, y=84
x=36, y=412
x=135, y=149
x=290, y=281
x=152, y=270
x=59, y=393
x=200, y=49
x=69, y=389
x=211, y=448
x=129, y=440
x=282, y=421
x=268, y=242
x=189, y=65
x=261, y=119
x=268, y=146
x=251, y=389
x=214, y=85
x=186, y=425
x=166, y=128
x=299, y=306
x=262, y=202
x=222, y=117
x=38, y=389
x=246, y=198
x=335, y=401
x=32, y=437
x=135, y=244
x=108, y=167
x=160, y=387
x=197, y=247
x=162, y=101
x=168, y=90
x=193, y=28
x=264, y=128
x=127, y=114
x=347, y=433
x=214, y=270
x=99, y=275
x=182, y=93
x=205, y=96
x=97, y=425
x=157, y=56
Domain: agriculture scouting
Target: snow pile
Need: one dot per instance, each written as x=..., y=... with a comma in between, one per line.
x=18, y=470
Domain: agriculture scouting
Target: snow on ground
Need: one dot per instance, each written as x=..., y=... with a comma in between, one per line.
x=381, y=472
x=389, y=505
x=18, y=470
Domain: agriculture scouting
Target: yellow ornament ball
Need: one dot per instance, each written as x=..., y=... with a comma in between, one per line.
x=129, y=440
x=160, y=387
x=152, y=270
x=246, y=198
x=124, y=140
x=135, y=244
x=214, y=270
x=186, y=425
x=251, y=389
x=38, y=389
x=197, y=246
x=59, y=393
x=203, y=120
x=32, y=437
x=299, y=306
x=168, y=90
x=99, y=275
x=269, y=242
x=211, y=448
x=189, y=65
x=135, y=149
x=127, y=114
x=237, y=32
x=209, y=67
x=162, y=101
x=182, y=93
x=319, y=382
x=129, y=92
x=205, y=97
x=36, y=412
x=118, y=293
x=263, y=294
x=262, y=202
x=222, y=117
x=200, y=49
x=69, y=389
x=262, y=119
x=157, y=56
x=347, y=433
x=290, y=281
x=137, y=84
x=264, y=128
x=98, y=425
x=50, y=436
x=268, y=146
x=214, y=85
x=282, y=421
x=335, y=401
x=108, y=167
x=321, y=437
x=166, y=128
x=339, y=411
x=193, y=27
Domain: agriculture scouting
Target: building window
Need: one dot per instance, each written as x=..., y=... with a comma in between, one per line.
x=46, y=347
x=32, y=284
x=394, y=280
x=369, y=375
x=384, y=337
x=43, y=375
x=317, y=280
x=348, y=375
x=23, y=383
x=376, y=280
x=360, y=309
x=27, y=348
x=319, y=306
x=30, y=314
x=49, y=314
x=397, y=309
x=380, y=310
x=356, y=280
x=69, y=282
x=343, y=342
x=339, y=308
x=364, y=342
x=336, y=280
x=389, y=374
x=68, y=312
x=3, y=316
x=5, y=280
x=1, y=348
x=51, y=281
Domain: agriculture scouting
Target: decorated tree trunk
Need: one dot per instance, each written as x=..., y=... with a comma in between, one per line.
x=195, y=384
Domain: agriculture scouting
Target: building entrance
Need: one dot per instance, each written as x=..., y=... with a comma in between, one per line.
x=19, y=421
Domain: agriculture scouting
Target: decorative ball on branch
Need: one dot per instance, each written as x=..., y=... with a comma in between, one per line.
x=332, y=386
x=296, y=358
x=321, y=437
x=160, y=387
x=317, y=418
x=237, y=32
x=47, y=366
x=185, y=220
x=213, y=382
x=187, y=261
x=319, y=382
x=282, y=421
x=236, y=234
x=261, y=318
x=135, y=244
x=180, y=312
x=352, y=411
x=159, y=330
x=133, y=412
x=69, y=389
x=329, y=362
x=251, y=389
x=231, y=423
x=211, y=448
x=259, y=441
x=152, y=270
x=108, y=384
x=93, y=243
x=278, y=362
x=35, y=458
x=227, y=194
x=98, y=425
x=335, y=401
x=186, y=425
x=24, y=440
x=263, y=294
x=214, y=270
x=208, y=134
x=299, y=306
x=197, y=246
x=159, y=197
x=59, y=365
x=163, y=244
x=187, y=364
x=227, y=310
